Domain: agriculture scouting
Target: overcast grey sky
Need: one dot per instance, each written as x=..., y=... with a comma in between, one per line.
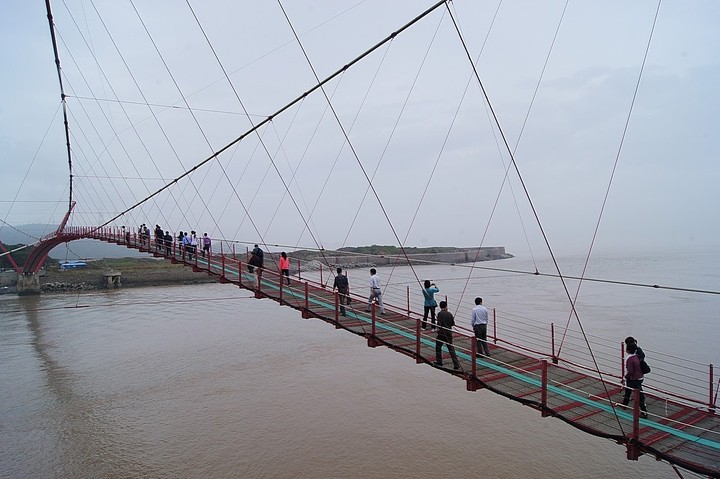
x=426, y=142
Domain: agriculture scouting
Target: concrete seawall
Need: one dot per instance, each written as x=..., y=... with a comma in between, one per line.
x=355, y=260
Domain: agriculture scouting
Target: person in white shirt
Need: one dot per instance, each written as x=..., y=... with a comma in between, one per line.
x=375, y=292
x=479, y=322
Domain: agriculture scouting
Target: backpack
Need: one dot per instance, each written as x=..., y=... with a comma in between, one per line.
x=341, y=282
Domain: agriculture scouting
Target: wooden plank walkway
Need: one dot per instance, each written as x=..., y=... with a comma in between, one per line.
x=682, y=434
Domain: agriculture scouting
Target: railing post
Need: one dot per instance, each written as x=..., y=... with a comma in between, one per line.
x=622, y=362
x=337, y=307
x=306, y=309
x=552, y=343
x=408, y=300
x=239, y=273
x=713, y=397
x=494, y=326
x=371, y=340
x=543, y=396
x=418, y=342
x=233, y=248
x=321, y=274
x=633, y=451
x=471, y=381
x=257, y=285
x=299, y=276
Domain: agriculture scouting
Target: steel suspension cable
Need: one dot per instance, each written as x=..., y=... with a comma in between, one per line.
x=265, y=148
x=80, y=153
x=192, y=114
x=617, y=158
x=527, y=116
x=27, y=171
x=122, y=107
x=532, y=206
x=350, y=129
x=514, y=151
x=390, y=137
x=62, y=99
x=512, y=157
x=158, y=105
x=345, y=133
x=102, y=142
x=161, y=208
x=297, y=167
x=237, y=184
x=281, y=110
x=444, y=144
x=392, y=133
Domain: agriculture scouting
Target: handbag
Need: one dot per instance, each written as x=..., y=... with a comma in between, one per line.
x=644, y=367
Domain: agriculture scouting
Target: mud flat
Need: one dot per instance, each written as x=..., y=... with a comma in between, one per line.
x=135, y=272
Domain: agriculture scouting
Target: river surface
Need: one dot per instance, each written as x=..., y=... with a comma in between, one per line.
x=205, y=381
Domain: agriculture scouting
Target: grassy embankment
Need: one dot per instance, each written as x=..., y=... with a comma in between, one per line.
x=134, y=272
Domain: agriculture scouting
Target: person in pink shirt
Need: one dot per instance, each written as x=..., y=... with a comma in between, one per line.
x=284, y=265
x=633, y=377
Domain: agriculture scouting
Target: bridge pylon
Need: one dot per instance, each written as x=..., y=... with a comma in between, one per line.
x=28, y=284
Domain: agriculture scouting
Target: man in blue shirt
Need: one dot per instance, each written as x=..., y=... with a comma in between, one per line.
x=430, y=304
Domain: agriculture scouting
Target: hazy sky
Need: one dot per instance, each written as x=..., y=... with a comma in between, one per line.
x=418, y=124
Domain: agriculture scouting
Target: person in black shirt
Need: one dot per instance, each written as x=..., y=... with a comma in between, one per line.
x=445, y=322
x=343, y=287
x=168, y=243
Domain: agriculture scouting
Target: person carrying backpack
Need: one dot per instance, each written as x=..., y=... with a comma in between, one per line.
x=342, y=285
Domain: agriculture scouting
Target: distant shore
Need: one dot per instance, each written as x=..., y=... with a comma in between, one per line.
x=135, y=272
x=145, y=272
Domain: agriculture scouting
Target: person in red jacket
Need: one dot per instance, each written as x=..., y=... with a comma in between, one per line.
x=284, y=265
x=633, y=377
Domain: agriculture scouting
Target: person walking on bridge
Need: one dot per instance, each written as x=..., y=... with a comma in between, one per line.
x=206, y=245
x=444, y=336
x=430, y=304
x=159, y=237
x=284, y=265
x=479, y=322
x=187, y=248
x=256, y=260
x=375, y=292
x=181, y=243
x=640, y=353
x=634, y=377
x=193, y=243
x=168, y=243
x=342, y=285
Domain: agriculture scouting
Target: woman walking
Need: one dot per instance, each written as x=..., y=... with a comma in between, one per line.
x=284, y=265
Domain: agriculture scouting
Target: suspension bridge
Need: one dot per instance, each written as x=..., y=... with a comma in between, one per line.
x=679, y=428
x=117, y=178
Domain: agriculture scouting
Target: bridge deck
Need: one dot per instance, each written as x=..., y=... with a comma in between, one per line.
x=683, y=434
